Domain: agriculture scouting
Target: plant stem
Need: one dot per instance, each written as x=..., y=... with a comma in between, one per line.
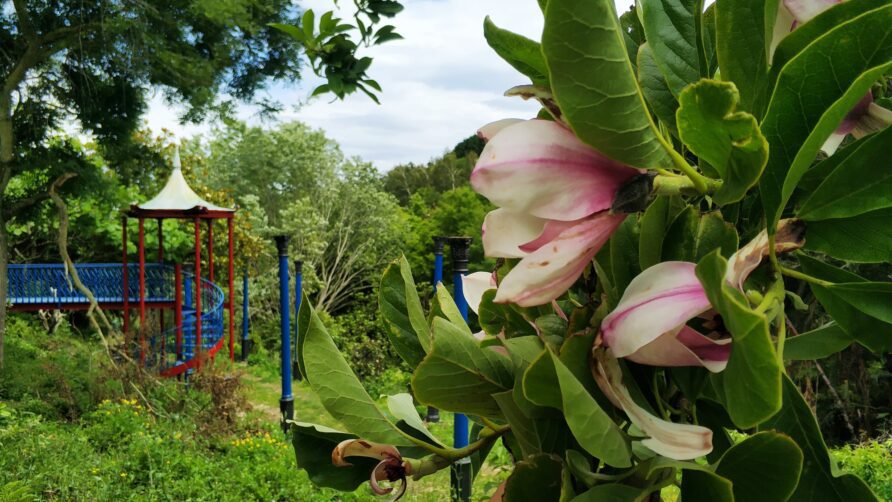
x=696, y=178
x=681, y=185
x=789, y=272
x=781, y=338
x=453, y=454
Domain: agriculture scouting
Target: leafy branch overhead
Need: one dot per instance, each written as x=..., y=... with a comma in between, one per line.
x=332, y=45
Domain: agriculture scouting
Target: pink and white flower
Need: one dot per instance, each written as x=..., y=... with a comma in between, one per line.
x=554, y=194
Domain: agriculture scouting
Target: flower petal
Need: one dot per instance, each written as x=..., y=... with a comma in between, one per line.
x=685, y=348
x=831, y=144
x=657, y=301
x=790, y=236
x=488, y=131
x=473, y=287
x=362, y=448
x=549, y=271
x=672, y=440
x=876, y=119
x=804, y=10
x=505, y=231
x=541, y=168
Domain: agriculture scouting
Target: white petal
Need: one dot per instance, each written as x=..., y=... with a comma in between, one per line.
x=672, y=440
x=473, y=287
x=488, y=131
x=659, y=300
x=804, y=10
x=790, y=236
x=669, y=350
x=505, y=231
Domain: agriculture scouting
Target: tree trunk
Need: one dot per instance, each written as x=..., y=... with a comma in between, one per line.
x=6, y=139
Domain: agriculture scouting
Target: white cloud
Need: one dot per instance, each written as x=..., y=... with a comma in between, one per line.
x=440, y=84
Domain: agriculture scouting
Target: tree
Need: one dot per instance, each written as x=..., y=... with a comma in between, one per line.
x=95, y=63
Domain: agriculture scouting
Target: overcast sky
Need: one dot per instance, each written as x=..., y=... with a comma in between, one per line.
x=440, y=84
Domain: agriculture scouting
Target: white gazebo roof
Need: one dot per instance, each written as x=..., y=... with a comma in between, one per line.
x=177, y=195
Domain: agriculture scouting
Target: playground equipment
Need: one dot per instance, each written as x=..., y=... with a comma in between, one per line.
x=197, y=331
x=461, y=469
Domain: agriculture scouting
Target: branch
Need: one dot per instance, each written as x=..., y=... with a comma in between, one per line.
x=27, y=28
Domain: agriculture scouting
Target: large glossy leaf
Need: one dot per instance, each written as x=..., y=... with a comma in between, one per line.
x=535, y=478
x=523, y=54
x=542, y=434
x=313, y=445
x=797, y=123
x=592, y=427
x=594, y=82
x=705, y=486
x=652, y=229
x=336, y=385
x=693, y=235
x=857, y=185
x=400, y=306
x=623, y=247
x=402, y=407
x=502, y=318
x=655, y=89
x=763, y=467
x=819, y=479
x=672, y=30
x=743, y=37
x=612, y=492
x=710, y=124
x=752, y=379
x=459, y=375
x=865, y=238
x=444, y=306
x=869, y=331
x=817, y=343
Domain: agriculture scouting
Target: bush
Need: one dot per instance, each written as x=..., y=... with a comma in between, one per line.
x=872, y=462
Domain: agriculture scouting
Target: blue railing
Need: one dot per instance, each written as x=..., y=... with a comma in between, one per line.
x=48, y=285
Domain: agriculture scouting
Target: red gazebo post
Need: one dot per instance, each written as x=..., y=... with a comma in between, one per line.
x=126, y=285
x=210, y=250
x=161, y=310
x=142, y=291
x=231, y=295
x=178, y=307
x=197, y=293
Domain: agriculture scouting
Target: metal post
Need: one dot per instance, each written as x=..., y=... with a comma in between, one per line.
x=286, y=403
x=246, y=342
x=178, y=308
x=298, y=298
x=161, y=310
x=211, y=249
x=142, y=292
x=461, y=469
x=126, y=285
x=230, y=276
x=197, y=354
x=433, y=414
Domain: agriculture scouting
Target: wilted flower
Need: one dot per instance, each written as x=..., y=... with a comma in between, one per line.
x=554, y=193
x=391, y=466
x=649, y=324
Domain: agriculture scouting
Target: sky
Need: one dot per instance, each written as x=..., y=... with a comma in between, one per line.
x=440, y=84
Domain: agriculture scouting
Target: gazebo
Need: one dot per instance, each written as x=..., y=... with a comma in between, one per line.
x=178, y=201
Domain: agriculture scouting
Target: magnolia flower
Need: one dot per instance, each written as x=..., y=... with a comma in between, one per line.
x=473, y=287
x=391, y=466
x=649, y=324
x=866, y=117
x=669, y=439
x=554, y=194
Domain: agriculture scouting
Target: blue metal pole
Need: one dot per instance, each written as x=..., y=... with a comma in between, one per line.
x=433, y=414
x=461, y=469
x=246, y=321
x=286, y=403
x=298, y=297
x=187, y=291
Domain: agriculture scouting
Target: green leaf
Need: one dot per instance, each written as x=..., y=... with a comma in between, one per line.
x=400, y=307
x=705, y=486
x=623, y=247
x=871, y=298
x=672, y=33
x=520, y=52
x=655, y=89
x=866, y=238
x=729, y=140
x=743, y=35
x=708, y=35
x=458, y=375
x=505, y=318
x=595, y=431
x=763, y=467
x=294, y=31
x=693, y=235
x=652, y=229
x=308, y=23
x=313, y=445
x=542, y=434
x=612, y=492
x=446, y=306
x=594, y=83
x=752, y=379
x=540, y=381
x=536, y=478
x=856, y=186
x=796, y=125
x=867, y=330
x=336, y=385
x=817, y=343
x=402, y=407
x=819, y=480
